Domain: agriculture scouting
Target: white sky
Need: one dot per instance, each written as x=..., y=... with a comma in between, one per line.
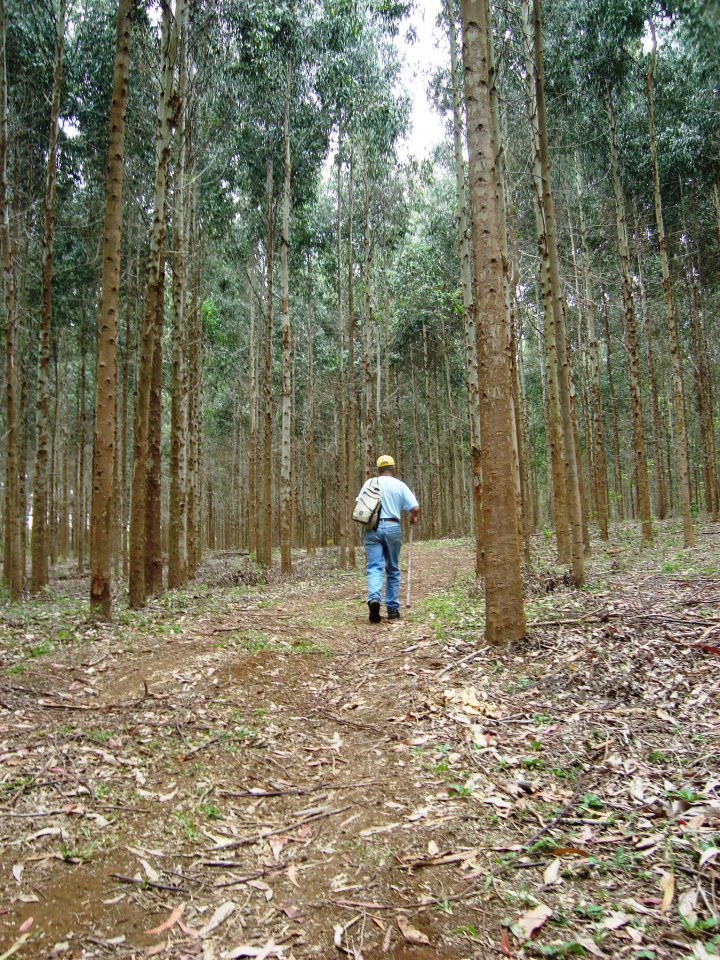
x=422, y=58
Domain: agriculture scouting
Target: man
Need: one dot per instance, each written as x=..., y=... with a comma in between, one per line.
x=382, y=545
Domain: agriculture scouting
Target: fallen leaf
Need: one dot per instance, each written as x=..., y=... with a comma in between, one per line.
x=637, y=788
x=260, y=953
x=708, y=855
x=505, y=948
x=687, y=902
x=47, y=832
x=276, y=845
x=552, y=872
x=293, y=913
x=590, y=946
x=17, y=871
x=16, y=946
x=616, y=920
x=569, y=851
x=667, y=885
x=26, y=924
x=168, y=924
x=433, y=849
x=220, y=916
x=531, y=921
x=700, y=953
x=292, y=875
x=411, y=934
x=101, y=821
x=150, y=872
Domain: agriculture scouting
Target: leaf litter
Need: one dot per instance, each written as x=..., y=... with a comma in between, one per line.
x=198, y=778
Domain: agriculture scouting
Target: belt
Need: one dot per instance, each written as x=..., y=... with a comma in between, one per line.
x=390, y=519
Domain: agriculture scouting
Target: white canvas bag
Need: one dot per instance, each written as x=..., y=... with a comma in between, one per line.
x=367, y=508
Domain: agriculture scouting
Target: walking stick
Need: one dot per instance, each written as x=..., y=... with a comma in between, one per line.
x=409, y=568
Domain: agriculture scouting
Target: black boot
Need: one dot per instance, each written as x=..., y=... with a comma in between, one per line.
x=393, y=613
x=374, y=608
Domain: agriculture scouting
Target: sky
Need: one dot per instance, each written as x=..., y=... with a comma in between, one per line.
x=422, y=58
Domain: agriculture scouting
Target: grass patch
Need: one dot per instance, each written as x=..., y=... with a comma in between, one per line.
x=450, y=613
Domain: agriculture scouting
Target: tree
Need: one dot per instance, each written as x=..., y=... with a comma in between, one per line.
x=39, y=578
x=504, y=614
x=104, y=440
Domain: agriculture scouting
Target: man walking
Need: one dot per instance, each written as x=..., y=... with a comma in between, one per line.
x=382, y=545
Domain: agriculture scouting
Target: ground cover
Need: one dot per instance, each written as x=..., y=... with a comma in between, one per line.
x=248, y=769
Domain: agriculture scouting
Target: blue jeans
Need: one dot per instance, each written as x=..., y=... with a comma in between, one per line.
x=382, y=549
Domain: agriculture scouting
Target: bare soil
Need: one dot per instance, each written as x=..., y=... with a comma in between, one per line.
x=255, y=770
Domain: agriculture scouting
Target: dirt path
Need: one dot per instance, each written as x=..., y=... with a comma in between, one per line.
x=291, y=718
x=263, y=773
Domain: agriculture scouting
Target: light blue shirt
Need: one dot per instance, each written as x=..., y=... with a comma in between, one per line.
x=395, y=496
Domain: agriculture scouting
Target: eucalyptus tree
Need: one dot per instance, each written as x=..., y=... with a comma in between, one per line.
x=504, y=613
x=40, y=577
x=142, y=579
x=104, y=441
x=470, y=325
x=12, y=565
x=670, y=314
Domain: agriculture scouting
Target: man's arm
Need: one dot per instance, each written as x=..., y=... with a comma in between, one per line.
x=414, y=513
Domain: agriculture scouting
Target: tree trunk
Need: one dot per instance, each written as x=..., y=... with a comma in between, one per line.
x=154, y=301
x=311, y=530
x=574, y=503
x=153, y=552
x=39, y=576
x=596, y=416
x=177, y=469
x=638, y=421
x=13, y=566
x=617, y=469
x=254, y=532
x=130, y=306
x=342, y=513
x=681, y=451
x=351, y=407
x=505, y=618
x=195, y=410
x=368, y=415
x=104, y=445
x=469, y=328
x=80, y=519
x=554, y=425
x=264, y=554
x=703, y=386
x=286, y=429
x=661, y=506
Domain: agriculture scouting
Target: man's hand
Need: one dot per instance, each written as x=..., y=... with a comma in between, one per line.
x=414, y=513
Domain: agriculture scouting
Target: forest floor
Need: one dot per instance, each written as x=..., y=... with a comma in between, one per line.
x=253, y=770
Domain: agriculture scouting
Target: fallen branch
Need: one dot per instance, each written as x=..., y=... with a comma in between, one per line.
x=254, y=838
x=556, y=819
x=400, y=907
x=299, y=791
x=145, y=882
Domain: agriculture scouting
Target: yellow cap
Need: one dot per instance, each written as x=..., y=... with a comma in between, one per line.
x=385, y=461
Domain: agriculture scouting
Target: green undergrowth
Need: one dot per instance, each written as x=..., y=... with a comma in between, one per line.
x=457, y=612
